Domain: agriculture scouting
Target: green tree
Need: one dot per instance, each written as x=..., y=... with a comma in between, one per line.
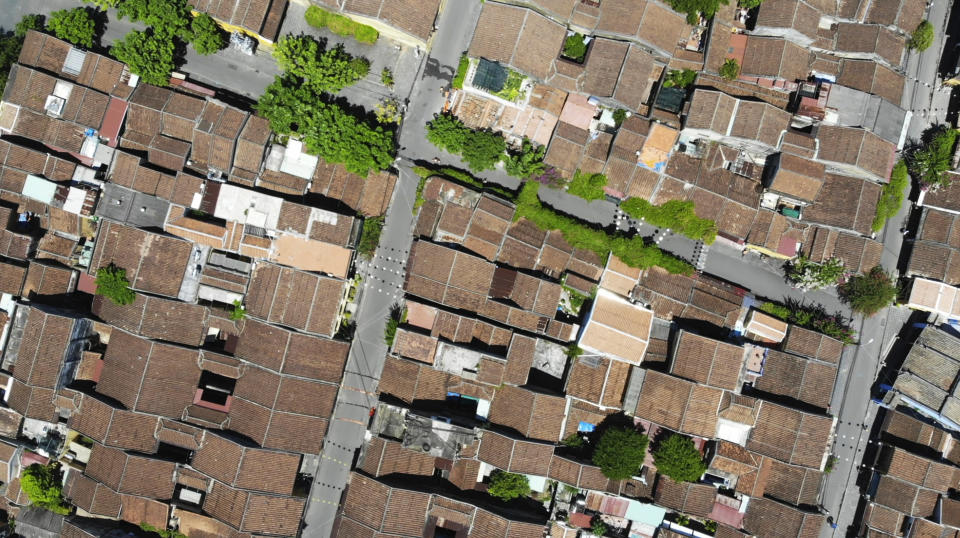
x=891, y=197
x=326, y=129
x=677, y=457
x=112, y=283
x=508, y=486
x=370, y=236
x=208, y=38
x=680, y=78
x=588, y=186
x=677, y=215
x=750, y=4
x=707, y=8
x=28, y=22
x=620, y=452
x=619, y=115
x=574, y=47
x=808, y=275
x=527, y=162
x=324, y=70
x=42, y=483
x=922, y=37
x=148, y=54
x=386, y=77
x=869, y=293
x=168, y=18
x=73, y=25
x=481, y=150
x=730, y=69
x=931, y=162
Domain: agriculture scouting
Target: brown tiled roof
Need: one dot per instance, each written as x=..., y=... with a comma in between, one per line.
x=294, y=298
x=707, y=361
x=910, y=429
x=534, y=415
x=791, y=436
x=268, y=471
x=133, y=431
x=226, y=504
x=43, y=348
x=633, y=88
x=871, y=77
x=791, y=14
x=366, y=500
x=766, y=517
x=795, y=377
x=603, y=64
x=914, y=469
x=775, y=57
x=662, y=27
x=497, y=32
x=539, y=44
x=866, y=38
x=798, y=177
x=154, y=263
x=792, y=484
x=858, y=207
x=853, y=146
x=694, y=499
x=664, y=399
x=759, y=121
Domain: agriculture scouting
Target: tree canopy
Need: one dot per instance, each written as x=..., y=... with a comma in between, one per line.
x=508, y=486
x=620, y=452
x=112, y=283
x=931, y=162
x=42, y=484
x=677, y=457
x=808, y=275
x=574, y=47
x=869, y=293
x=324, y=70
x=527, y=162
x=148, y=54
x=208, y=38
x=73, y=25
x=481, y=150
x=707, y=8
x=169, y=18
x=922, y=37
x=588, y=186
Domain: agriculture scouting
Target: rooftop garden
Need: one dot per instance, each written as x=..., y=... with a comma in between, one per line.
x=340, y=25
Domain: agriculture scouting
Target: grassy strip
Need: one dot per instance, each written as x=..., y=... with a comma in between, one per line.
x=463, y=177
x=813, y=317
x=891, y=198
x=462, y=69
x=634, y=251
x=370, y=236
x=676, y=215
x=418, y=202
x=340, y=25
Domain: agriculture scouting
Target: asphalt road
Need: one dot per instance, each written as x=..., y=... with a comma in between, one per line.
x=382, y=288
x=383, y=277
x=922, y=92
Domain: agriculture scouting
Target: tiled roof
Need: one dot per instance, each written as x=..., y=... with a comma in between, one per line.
x=154, y=317
x=789, y=14
x=43, y=348
x=775, y=57
x=707, y=361
x=694, y=499
x=766, y=517
x=804, y=380
x=154, y=263
x=532, y=414
x=617, y=328
x=872, y=77
x=790, y=435
x=298, y=299
x=865, y=38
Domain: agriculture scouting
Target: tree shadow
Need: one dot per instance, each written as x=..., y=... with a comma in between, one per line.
x=100, y=21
